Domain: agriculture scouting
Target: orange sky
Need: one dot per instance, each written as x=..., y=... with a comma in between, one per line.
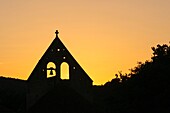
x=104, y=36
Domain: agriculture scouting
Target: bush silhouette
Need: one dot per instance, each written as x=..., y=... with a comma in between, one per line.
x=146, y=88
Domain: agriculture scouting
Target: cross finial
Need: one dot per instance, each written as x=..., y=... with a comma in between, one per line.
x=56, y=33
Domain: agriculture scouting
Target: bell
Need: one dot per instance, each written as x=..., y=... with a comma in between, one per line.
x=51, y=72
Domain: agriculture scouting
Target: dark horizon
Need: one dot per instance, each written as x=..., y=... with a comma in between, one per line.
x=145, y=89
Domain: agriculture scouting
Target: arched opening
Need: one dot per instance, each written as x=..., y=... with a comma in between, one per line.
x=51, y=69
x=64, y=71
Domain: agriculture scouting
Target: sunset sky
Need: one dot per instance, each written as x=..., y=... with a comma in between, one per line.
x=104, y=36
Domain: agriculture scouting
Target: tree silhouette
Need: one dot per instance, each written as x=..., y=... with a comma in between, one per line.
x=146, y=88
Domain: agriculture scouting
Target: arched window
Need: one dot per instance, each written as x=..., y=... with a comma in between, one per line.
x=64, y=71
x=51, y=69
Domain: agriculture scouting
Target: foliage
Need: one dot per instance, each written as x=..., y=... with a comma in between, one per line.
x=146, y=88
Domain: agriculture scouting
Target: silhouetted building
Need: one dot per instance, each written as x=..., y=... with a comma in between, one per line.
x=48, y=74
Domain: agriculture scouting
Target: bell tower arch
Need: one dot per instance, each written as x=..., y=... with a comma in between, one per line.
x=64, y=71
x=51, y=69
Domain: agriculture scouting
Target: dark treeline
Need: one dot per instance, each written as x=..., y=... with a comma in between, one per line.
x=146, y=89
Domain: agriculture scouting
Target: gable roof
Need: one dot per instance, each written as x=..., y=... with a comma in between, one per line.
x=52, y=54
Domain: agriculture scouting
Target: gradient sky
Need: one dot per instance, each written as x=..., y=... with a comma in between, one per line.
x=104, y=36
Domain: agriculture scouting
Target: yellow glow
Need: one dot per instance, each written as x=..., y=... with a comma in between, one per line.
x=104, y=36
x=64, y=71
x=51, y=73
